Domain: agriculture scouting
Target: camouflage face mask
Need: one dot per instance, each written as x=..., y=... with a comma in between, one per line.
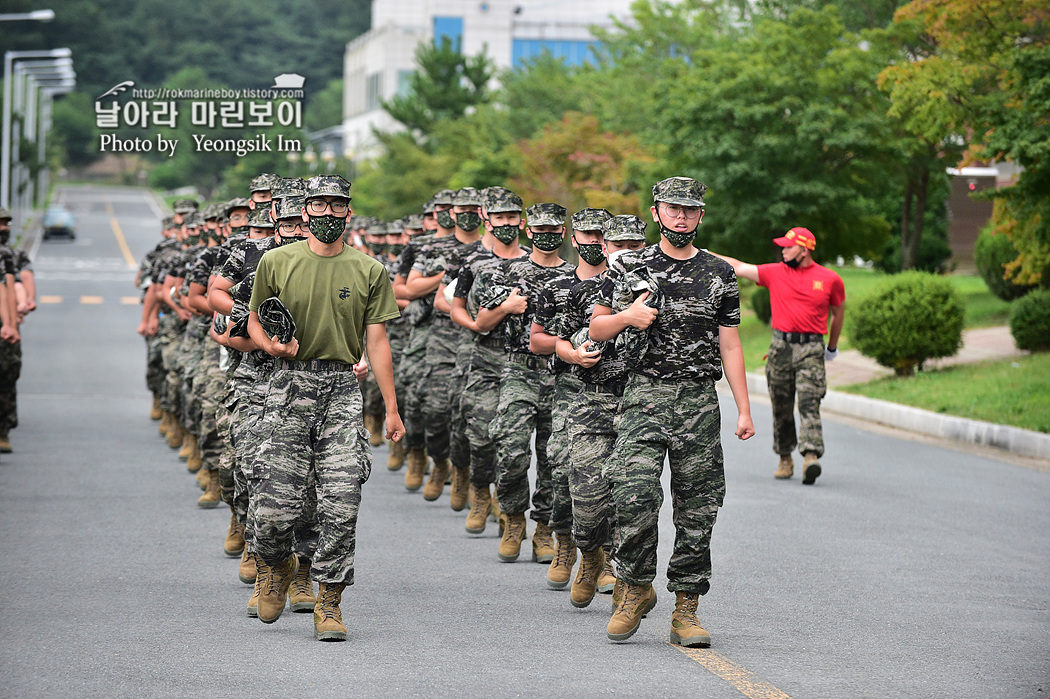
x=505, y=234
x=327, y=229
x=591, y=253
x=378, y=248
x=675, y=238
x=395, y=248
x=239, y=230
x=468, y=220
x=547, y=241
x=5, y=235
x=444, y=219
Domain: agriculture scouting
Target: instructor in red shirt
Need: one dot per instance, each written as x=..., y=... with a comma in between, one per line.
x=801, y=293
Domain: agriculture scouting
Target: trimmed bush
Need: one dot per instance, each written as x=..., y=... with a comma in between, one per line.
x=934, y=254
x=990, y=253
x=910, y=318
x=760, y=304
x=1030, y=321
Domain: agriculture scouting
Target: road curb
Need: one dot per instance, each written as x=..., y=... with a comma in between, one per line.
x=1012, y=439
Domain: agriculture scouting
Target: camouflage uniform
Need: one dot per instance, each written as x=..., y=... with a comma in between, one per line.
x=10, y=356
x=796, y=368
x=670, y=408
x=411, y=366
x=526, y=395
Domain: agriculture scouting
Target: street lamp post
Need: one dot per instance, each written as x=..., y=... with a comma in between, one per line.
x=29, y=76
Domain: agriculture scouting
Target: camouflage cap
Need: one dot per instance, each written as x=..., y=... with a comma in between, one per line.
x=396, y=227
x=327, y=186
x=239, y=203
x=358, y=223
x=260, y=218
x=443, y=196
x=590, y=219
x=4, y=214
x=468, y=196
x=546, y=214
x=264, y=182
x=428, y=207
x=413, y=222
x=683, y=191
x=622, y=228
x=184, y=206
x=212, y=212
x=289, y=186
x=192, y=220
x=165, y=223
x=291, y=206
x=377, y=226
x=502, y=200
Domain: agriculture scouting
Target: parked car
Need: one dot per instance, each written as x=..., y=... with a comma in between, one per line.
x=59, y=221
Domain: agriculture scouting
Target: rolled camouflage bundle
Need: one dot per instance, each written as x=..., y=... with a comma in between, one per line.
x=276, y=320
x=632, y=343
x=220, y=323
x=583, y=336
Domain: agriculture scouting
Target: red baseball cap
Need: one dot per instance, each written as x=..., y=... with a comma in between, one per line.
x=797, y=236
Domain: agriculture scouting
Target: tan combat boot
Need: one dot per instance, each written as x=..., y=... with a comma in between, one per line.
x=397, y=455
x=810, y=468
x=436, y=483
x=156, y=413
x=607, y=578
x=457, y=497
x=560, y=571
x=513, y=535
x=328, y=619
x=5, y=444
x=685, y=627
x=786, y=467
x=247, y=572
x=212, y=494
x=203, y=476
x=375, y=433
x=617, y=594
x=586, y=582
x=233, y=546
x=253, y=603
x=273, y=587
x=494, y=511
x=301, y=593
x=165, y=424
x=417, y=467
x=188, y=442
x=637, y=601
x=175, y=434
x=479, y=511
x=195, y=460
x=542, y=544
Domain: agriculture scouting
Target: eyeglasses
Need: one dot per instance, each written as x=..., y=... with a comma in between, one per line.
x=318, y=206
x=690, y=212
x=290, y=227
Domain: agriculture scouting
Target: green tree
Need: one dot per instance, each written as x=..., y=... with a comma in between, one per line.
x=74, y=136
x=325, y=109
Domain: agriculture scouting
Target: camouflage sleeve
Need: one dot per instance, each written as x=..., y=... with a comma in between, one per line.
x=466, y=281
x=728, y=313
x=22, y=262
x=452, y=267
x=233, y=268
x=546, y=310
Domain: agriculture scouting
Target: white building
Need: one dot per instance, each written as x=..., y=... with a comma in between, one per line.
x=377, y=64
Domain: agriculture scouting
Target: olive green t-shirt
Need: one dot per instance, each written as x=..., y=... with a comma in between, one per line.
x=331, y=299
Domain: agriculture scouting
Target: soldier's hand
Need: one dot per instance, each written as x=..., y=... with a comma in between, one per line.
x=151, y=326
x=639, y=315
x=395, y=429
x=516, y=304
x=285, y=351
x=587, y=357
x=7, y=332
x=361, y=369
x=142, y=329
x=745, y=429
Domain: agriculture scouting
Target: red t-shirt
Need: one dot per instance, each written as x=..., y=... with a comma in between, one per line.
x=800, y=298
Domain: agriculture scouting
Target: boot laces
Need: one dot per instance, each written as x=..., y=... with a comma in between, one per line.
x=329, y=603
x=632, y=599
x=562, y=554
x=686, y=610
x=515, y=528
x=543, y=537
x=587, y=566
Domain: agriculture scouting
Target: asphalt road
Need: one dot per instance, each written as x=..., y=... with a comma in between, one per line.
x=909, y=570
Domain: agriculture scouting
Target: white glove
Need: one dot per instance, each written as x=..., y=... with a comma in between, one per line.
x=830, y=354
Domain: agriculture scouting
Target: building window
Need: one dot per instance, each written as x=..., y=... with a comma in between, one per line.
x=573, y=53
x=451, y=27
x=404, y=82
x=374, y=92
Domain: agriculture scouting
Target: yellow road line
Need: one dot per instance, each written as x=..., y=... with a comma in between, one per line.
x=742, y=679
x=91, y=300
x=119, y=234
x=50, y=299
x=130, y=300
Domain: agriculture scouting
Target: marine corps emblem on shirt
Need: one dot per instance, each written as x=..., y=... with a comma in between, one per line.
x=818, y=285
x=344, y=293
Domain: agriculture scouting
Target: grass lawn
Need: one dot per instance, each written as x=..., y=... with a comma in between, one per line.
x=1010, y=392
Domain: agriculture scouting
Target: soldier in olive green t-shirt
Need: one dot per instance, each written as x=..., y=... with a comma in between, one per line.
x=312, y=424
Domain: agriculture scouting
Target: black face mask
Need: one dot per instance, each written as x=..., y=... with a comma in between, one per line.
x=5, y=235
x=445, y=220
x=286, y=239
x=591, y=253
x=506, y=234
x=239, y=230
x=547, y=241
x=468, y=220
x=793, y=264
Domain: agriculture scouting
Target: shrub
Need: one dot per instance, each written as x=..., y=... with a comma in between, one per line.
x=990, y=253
x=1030, y=321
x=760, y=304
x=933, y=255
x=911, y=317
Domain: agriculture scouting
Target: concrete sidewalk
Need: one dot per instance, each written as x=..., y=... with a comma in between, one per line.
x=979, y=344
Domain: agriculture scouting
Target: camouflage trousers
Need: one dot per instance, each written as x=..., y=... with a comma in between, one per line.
x=412, y=369
x=191, y=349
x=678, y=419
x=478, y=404
x=592, y=437
x=169, y=331
x=10, y=370
x=371, y=397
x=459, y=444
x=790, y=369
x=212, y=381
x=526, y=397
x=311, y=423
x=244, y=402
x=155, y=364
x=566, y=386
x=436, y=386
